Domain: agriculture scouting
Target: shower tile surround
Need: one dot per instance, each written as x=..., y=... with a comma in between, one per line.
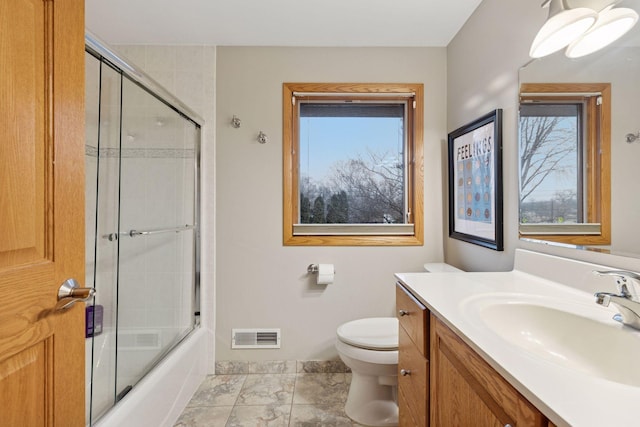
x=271, y=393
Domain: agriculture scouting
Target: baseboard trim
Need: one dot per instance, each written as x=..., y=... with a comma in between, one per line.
x=236, y=367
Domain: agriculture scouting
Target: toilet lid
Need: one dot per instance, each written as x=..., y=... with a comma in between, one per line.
x=378, y=333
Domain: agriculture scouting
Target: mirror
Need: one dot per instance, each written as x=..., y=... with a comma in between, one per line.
x=565, y=166
x=619, y=66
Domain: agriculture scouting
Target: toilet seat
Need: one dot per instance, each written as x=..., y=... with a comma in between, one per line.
x=377, y=333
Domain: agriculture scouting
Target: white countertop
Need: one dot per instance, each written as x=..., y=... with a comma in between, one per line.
x=566, y=396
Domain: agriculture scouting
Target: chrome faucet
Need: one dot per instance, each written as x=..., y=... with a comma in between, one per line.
x=627, y=304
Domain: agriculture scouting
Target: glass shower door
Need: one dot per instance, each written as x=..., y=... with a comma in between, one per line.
x=157, y=229
x=102, y=160
x=141, y=163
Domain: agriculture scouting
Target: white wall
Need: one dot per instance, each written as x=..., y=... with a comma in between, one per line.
x=261, y=283
x=482, y=74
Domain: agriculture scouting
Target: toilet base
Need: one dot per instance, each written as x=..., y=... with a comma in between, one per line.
x=370, y=403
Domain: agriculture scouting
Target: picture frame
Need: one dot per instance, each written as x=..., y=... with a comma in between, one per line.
x=475, y=182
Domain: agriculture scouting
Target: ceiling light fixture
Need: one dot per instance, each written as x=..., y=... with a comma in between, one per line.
x=563, y=26
x=612, y=24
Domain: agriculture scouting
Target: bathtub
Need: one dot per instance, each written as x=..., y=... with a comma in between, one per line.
x=158, y=398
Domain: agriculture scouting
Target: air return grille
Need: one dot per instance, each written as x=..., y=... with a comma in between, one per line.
x=255, y=338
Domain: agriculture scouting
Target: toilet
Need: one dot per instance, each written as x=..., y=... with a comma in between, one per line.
x=370, y=348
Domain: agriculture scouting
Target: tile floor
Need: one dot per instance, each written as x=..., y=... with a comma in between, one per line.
x=266, y=400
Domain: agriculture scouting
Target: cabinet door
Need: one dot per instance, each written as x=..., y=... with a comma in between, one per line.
x=467, y=392
x=413, y=383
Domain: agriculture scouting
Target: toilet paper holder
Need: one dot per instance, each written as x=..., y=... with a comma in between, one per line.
x=324, y=273
x=313, y=268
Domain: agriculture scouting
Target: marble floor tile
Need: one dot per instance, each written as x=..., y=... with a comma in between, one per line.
x=321, y=389
x=260, y=416
x=270, y=400
x=267, y=389
x=218, y=390
x=320, y=415
x=204, y=416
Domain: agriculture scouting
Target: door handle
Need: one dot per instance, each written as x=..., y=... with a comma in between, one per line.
x=70, y=292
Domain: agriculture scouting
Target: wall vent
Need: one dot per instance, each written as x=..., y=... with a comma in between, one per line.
x=255, y=338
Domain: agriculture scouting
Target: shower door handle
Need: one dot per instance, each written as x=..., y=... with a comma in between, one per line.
x=70, y=292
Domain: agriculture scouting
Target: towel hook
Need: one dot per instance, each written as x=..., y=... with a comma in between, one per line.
x=262, y=138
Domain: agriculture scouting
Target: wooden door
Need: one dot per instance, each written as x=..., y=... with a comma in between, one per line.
x=41, y=211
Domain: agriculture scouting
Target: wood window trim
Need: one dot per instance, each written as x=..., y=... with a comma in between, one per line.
x=415, y=182
x=598, y=170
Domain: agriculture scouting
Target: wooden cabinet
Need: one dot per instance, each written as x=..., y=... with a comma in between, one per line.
x=466, y=391
x=443, y=382
x=413, y=364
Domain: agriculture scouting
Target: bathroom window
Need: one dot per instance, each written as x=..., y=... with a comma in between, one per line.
x=353, y=162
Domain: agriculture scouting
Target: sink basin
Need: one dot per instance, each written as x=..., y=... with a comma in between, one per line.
x=575, y=336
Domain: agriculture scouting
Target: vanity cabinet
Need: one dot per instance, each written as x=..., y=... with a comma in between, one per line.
x=444, y=382
x=413, y=363
x=466, y=391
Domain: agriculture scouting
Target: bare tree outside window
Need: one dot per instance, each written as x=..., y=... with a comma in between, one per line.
x=550, y=155
x=375, y=186
x=352, y=164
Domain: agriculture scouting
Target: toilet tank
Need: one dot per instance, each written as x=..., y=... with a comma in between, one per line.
x=441, y=267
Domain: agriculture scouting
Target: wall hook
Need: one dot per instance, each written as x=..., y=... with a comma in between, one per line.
x=235, y=122
x=632, y=137
x=262, y=138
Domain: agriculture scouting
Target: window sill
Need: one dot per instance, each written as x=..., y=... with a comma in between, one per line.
x=352, y=240
x=566, y=229
x=353, y=230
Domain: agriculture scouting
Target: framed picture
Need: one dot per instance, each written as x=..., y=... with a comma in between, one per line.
x=475, y=182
